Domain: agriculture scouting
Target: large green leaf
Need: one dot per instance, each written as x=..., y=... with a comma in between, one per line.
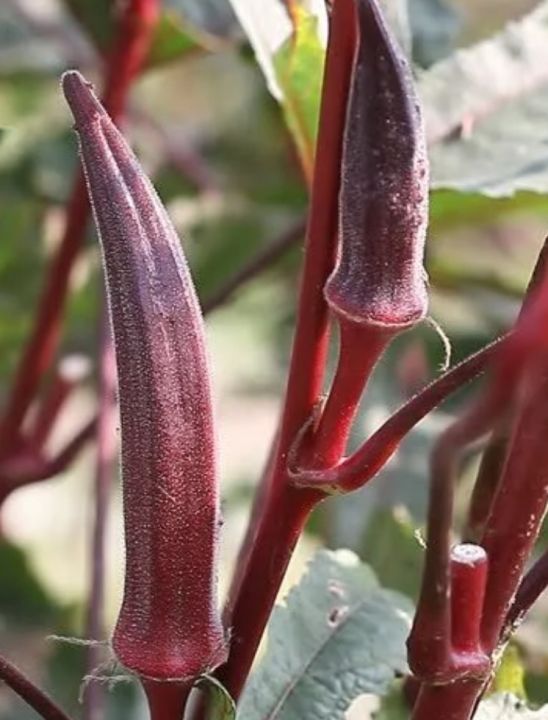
x=338, y=635
x=486, y=110
x=508, y=707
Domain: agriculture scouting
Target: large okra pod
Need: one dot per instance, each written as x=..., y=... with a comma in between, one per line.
x=383, y=202
x=168, y=626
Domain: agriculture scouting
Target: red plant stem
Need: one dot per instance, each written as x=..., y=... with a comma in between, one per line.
x=360, y=348
x=468, y=581
x=27, y=691
x=129, y=51
x=509, y=536
x=455, y=701
x=286, y=509
x=513, y=526
x=531, y=587
x=430, y=640
x=247, y=614
x=487, y=482
x=42, y=344
x=70, y=373
x=166, y=700
x=93, y=706
x=59, y=462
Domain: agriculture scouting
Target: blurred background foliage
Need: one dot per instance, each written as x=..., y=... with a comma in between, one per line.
x=229, y=143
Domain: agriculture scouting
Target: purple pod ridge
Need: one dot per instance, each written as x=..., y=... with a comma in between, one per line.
x=168, y=627
x=379, y=278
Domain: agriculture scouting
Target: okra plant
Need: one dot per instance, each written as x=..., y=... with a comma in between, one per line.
x=363, y=284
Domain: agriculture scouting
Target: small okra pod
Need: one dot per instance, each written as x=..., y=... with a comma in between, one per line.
x=168, y=627
x=379, y=277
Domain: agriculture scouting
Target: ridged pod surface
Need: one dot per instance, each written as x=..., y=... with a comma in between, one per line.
x=168, y=626
x=379, y=277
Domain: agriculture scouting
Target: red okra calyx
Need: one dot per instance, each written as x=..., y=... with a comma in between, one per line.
x=168, y=627
x=379, y=278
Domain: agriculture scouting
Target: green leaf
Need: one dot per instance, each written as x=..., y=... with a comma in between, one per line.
x=486, y=108
x=510, y=674
x=508, y=707
x=337, y=636
x=220, y=705
x=291, y=58
x=171, y=40
x=299, y=69
x=392, y=550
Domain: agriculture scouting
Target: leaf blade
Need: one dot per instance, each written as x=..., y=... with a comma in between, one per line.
x=325, y=646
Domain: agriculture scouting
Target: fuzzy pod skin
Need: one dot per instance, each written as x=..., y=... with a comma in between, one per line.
x=168, y=627
x=379, y=278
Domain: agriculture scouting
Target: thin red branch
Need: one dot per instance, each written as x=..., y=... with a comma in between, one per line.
x=531, y=587
x=93, y=704
x=70, y=373
x=60, y=462
x=27, y=691
x=264, y=259
x=129, y=51
x=487, y=481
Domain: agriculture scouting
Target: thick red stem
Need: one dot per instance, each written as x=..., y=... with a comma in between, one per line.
x=285, y=509
x=246, y=614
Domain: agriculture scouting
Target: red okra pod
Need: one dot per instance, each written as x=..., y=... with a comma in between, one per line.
x=379, y=277
x=168, y=627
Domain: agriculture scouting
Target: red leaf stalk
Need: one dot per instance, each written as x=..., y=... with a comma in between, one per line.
x=168, y=628
x=127, y=56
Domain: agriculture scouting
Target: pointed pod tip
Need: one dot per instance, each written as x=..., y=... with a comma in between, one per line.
x=82, y=101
